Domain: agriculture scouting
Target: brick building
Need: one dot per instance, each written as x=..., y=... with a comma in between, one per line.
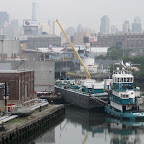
x=125, y=40
x=20, y=86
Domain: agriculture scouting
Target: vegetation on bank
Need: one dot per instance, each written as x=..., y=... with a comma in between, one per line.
x=115, y=53
x=138, y=62
x=118, y=53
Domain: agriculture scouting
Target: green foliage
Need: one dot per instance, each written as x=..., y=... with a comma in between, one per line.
x=101, y=57
x=115, y=53
x=139, y=62
x=113, y=67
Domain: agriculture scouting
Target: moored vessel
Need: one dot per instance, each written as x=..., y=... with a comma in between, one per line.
x=125, y=101
x=86, y=93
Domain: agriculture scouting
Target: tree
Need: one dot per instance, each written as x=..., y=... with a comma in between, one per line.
x=115, y=53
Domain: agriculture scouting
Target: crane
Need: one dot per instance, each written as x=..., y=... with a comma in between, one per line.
x=88, y=74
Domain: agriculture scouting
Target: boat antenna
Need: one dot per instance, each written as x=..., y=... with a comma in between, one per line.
x=88, y=74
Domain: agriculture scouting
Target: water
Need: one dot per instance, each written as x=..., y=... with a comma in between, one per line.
x=82, y=127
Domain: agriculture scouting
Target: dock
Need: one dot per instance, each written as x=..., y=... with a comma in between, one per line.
x=25, y=129
x=53, y=99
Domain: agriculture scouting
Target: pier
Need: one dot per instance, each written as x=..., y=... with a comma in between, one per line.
x=25, y=129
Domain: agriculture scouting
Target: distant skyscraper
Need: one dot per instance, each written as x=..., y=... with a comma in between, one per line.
x=70, y=31
x=126, y=26
x=56, y=28
x=14, y=23
x=114, y=29
x=44, y=28
x=136, y=26
x=79, y=28
x=137, y=20
x=105, y=25
x=35, y=11
x=50, y=24
x=4, y=19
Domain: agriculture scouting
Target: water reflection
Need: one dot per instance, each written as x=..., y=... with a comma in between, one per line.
x=82, y=127
x=125, y=132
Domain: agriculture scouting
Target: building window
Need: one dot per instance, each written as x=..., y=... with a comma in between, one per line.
x=23, y=88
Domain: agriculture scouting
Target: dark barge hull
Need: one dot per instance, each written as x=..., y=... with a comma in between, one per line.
x=79, y=99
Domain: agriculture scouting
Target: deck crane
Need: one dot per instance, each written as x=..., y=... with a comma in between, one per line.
x=88, y=74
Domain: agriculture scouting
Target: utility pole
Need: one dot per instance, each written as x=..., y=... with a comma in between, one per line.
x=5, y=97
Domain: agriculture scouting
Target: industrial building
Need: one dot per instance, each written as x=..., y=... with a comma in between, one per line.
x=44, y=73
x=9, y=49
x=30, y=27
x=124, y=40
x=40, y=41
x=20, y=86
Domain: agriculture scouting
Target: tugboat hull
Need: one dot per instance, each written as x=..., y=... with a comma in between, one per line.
x=132, y=116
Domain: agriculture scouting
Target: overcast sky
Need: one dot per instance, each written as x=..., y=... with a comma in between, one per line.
x=73, y=12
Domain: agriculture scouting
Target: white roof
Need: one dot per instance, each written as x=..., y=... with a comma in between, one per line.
x=51, y=50
x=99, y=49
x=13, y=71
x=122, y=75
x=94, y=49
x=61, y=49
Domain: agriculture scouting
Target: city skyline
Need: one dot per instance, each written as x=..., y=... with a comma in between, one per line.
x=72, y=13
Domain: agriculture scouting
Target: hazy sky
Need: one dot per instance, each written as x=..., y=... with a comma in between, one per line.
x=73, y=12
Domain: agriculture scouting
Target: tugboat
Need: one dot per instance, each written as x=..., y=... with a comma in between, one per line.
x=125, y=101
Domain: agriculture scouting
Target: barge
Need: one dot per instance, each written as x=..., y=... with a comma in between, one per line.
x=87, y=94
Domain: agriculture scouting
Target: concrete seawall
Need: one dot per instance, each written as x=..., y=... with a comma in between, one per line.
x=25, y=129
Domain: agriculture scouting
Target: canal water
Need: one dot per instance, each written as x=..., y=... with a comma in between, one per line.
x=83, y=127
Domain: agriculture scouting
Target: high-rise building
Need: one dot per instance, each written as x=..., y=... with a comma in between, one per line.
x=114, y=29
x=137, y=26
x=80, y=28
x=4, y=19
x=105, y=25
x=44, y=28
x=35, y=11
x=56, y=28
x=50, y=24
x=70, y=31
x=14, y=23
x=137, y=20
x=126, y=26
